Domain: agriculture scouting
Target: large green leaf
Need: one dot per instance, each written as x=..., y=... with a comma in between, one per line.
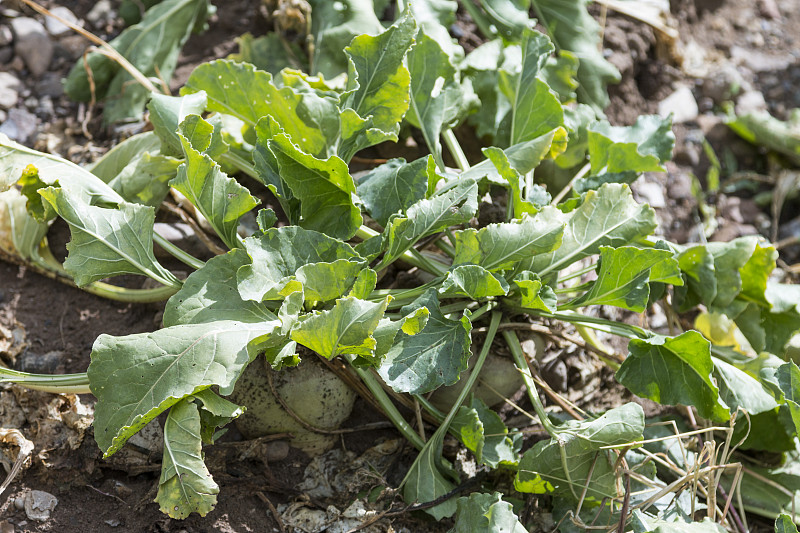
x=434, y=18
x=433, y=357
x=785, y=524
x=572, y=462
x=788, y=376
x=185, y=485
x=425, y=480
x=324, y=187
x=429, y=216
x=624, y=276
x=500, y=246
x=713, y=269
x=220, y=199
x=20, y=233
x=607, y=217
x=145, y=179
x=239, y=89
x=107, y=242
x=739, y=389
x=166, y=114
x=212, y=293
x=483, y=432
x=378, y=84
x=345, y=329
x=137, y=377
x=674, y=370
x=522, y=158
x=486, y=513
x=436, y=94
x=152, y=46
x=535, y=109
x=393, y=187
x=111, y=164
x=472, y=281
x=572, y=28
x=284, y=259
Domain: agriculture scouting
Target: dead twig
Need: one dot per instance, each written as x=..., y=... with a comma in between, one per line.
x=263, y=497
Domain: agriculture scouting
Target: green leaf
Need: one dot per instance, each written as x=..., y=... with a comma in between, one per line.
x=674, y=370
x=334, y=25
x=425, y=481
x=145, y=180
x=607, y=217
x=535, y=109
x=211, y=294
x=283, y=259
x=214, y=412
x=111, y=164
x=486, y=513
x=560, y=74
x=572, y=28
x=728, y=258
x=107, y=242
x=433, y=357
x=472, y=281
x=755, y=273
x=152, y=46
x=137, y=377
x=788, y=376
x=345, y=329
x=324, y=187
x=377, y=89
x=14, y=158
x=785, y=524
x=500, y=246
x=185, y=485
x=572, y=462
x=739, y=389
x=393, y=187
x=533, y=294
x=436, y=93
x=220, y=199
x=268, y=52
x=166, y=114
x=763, y=129
x=434, y=18
x=643, y=147
x=515, y=181
x=20, y=233
x=624, y=276
x=387, y=330
x=522, y=158
x=240, y=90
x=483, y=432
x=429, y=216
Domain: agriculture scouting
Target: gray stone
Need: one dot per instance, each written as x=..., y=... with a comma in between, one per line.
x=39, y=505
x=55, y=27
x=758, y=61
x=20, y=125
x=651, y=193
x=32, y=44
x=681, y=104
x=101, y=13
x=6, y=37
x=9, y=90
x=6, y=53
x=750, y=102
x=50, y=85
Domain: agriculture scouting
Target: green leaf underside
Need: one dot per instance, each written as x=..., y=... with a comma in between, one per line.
x=107, y=242
x=563, y=464
x=501, y=246
x=433, y=357
x=674, y=370
x=429, y=216
x=472, y=281
x=136, y=377
x=393, y=187
x=283, y=259
x=325, y=189
x=185, y=485
x=212, y=293
x=624, y=276
x=345, y=329
x=486, y=513
x=608, y=216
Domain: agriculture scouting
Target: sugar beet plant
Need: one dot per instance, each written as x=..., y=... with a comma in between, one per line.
x=312, y=282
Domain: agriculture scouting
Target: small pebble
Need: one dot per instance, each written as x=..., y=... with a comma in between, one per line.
x=32, y=44
x=39, y=505
x=55, y=27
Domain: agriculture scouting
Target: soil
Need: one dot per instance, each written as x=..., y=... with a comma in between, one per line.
x=59, y=323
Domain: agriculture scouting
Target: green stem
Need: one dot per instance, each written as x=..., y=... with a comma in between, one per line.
x=402, y=297
x=412, y=257
x=522, y=364
x=478, y=19
x=446, y=248
x=578, y=273
x=563, y=192
x=455, y=149
x=600, y=324
x=386, y=404
x=58, y=384
x=239, y=162
x=428, y=264
x=177, y=253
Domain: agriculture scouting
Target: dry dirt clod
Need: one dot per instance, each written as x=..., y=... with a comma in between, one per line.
x=6, y=527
